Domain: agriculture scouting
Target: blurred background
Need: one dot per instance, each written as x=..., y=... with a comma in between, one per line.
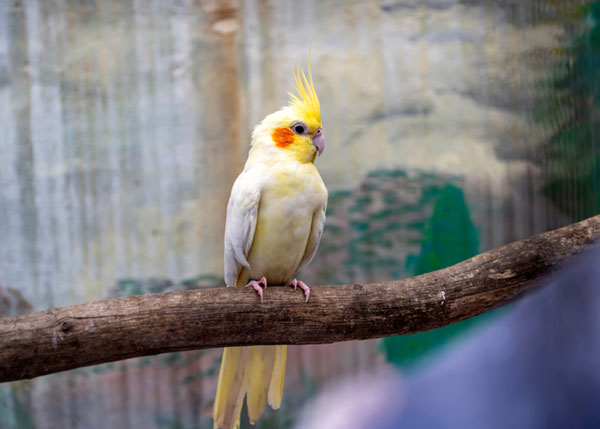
x=451, y=127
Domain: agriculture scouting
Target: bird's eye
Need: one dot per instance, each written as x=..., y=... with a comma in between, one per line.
x=299, y=128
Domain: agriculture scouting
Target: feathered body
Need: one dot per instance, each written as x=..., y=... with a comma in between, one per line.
x=275, y=218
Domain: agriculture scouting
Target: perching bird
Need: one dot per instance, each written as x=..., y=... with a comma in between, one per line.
x=275, y=218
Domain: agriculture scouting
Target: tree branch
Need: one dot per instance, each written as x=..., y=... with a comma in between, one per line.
x=70, y=337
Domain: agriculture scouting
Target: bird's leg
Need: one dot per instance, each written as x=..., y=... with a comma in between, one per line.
x=301, y=285
x=256, y=286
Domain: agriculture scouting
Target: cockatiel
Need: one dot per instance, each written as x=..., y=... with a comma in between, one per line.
x=275, y=218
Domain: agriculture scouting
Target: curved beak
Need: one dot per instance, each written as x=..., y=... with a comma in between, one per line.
x=319, y=141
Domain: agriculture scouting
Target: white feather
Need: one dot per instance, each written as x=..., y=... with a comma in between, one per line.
x=240, y=225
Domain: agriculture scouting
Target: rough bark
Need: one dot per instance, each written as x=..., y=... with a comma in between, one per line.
x=70, y=337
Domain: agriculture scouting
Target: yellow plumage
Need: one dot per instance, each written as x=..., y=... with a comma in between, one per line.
x=275, y=217
x=306, y=102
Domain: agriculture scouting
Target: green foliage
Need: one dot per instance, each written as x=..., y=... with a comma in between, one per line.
x=371, y=230
x=449, y=237
x=569, y=106
x=393, y=225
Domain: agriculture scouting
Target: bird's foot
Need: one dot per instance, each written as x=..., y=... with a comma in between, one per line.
x=256, y=286
x=301, y=285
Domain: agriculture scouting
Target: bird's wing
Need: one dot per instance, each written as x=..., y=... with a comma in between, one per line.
x=316, y=230
x=242, y=213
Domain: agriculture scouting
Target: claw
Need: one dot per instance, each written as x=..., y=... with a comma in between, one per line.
x=256, y=286
x=301, y=285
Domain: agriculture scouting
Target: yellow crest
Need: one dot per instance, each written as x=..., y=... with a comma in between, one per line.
x=306, y=102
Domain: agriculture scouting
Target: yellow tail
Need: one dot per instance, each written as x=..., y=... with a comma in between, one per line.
x=257, y=372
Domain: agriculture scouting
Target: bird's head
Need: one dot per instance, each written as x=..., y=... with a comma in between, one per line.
x=294, y=130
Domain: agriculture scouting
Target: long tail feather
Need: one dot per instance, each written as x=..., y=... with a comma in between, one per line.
x=278, y=377
x=257, y=372
x=262, y=359
x=231, y=387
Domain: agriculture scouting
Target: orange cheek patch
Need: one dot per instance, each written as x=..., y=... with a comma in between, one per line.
x=283, y=137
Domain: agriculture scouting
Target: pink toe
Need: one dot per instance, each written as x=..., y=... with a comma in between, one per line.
x=302, y=285
x=256, y=286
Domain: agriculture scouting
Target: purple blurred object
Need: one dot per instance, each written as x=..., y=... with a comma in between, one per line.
x=537, y=366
